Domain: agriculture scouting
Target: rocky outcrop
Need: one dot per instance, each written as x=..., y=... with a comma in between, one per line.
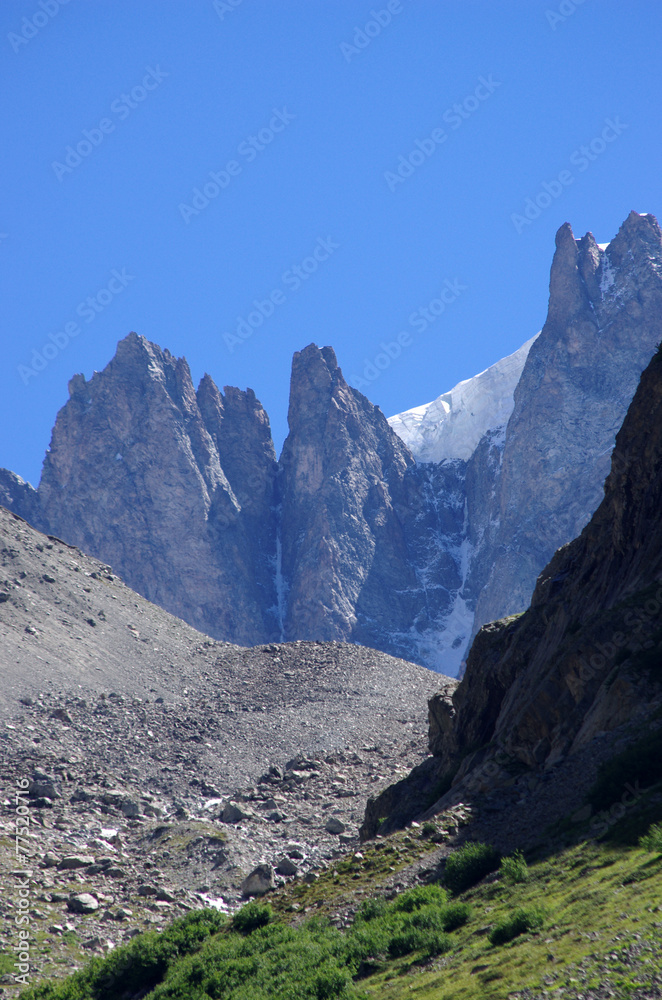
x=341, y=475
x=174, y=489
x=543, y=684
x=360, y=522
x=604, y=322
x=583, y=660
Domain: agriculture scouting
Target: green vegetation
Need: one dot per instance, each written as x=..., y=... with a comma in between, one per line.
x=514, y=869
x=601, y=906
x=652, y=841
x=252, y=916
x=138, y=966
x=519, y=922
x=468, y=865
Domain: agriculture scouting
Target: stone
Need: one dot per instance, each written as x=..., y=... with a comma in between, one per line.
x=82, y=902
x=286, y=867
x=260, y=880
x=73, y=861
x=233, y=813
x=334, y=825
x=147, y=890
x=131, y=809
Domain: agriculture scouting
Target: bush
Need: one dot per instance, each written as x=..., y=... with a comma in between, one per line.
x=429, y=829
x=371, y=909
x=652, y=841
x=456, y=915
x=421, y=895
x=251, y=916
x=138, y=967
x=514, y=868
x=411, y=939
x=468, y=865
x=522, y=920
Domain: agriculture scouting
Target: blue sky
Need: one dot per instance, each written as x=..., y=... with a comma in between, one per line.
x=114, y=112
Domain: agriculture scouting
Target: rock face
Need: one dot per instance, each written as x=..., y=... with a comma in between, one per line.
x=173, y=488
x=559, y=674
x=533, y=479
x=604, y=321
x=352, y=536
x=584, y=659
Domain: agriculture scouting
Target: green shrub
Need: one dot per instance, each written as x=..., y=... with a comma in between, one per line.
x=522, y=920
x=251, y=916
x=456, y=915
x=371, y=909
x=410, y=939
x=136, y=967
x=428, y=830
x=420, y=895
x=514, y=868
x=652, y=841
x=468, y=865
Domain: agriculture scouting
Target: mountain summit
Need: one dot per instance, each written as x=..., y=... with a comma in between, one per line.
x=406, y=542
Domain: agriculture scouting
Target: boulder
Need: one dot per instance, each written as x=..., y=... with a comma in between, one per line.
x=82, y=902
x=260, y=880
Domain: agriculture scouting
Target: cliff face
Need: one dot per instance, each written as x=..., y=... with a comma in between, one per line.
x=341, y=481
x=136, y=475
x=541, y=685
x=603, y=323
x=543, y=688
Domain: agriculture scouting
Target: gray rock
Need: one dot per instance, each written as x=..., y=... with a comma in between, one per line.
x=233, y=813
x=286, y=867
x=147, y=890
x=73, y=861
x=82, y=902
x=334, y=825
x=260, y=880
x=130, y=809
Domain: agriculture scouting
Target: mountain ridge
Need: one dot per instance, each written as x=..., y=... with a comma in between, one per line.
x=347, y=536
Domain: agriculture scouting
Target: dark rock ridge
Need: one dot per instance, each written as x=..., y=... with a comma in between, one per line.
x=542, y=688
x=348, y=537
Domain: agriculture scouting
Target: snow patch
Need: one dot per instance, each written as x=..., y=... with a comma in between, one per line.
x=452, y=425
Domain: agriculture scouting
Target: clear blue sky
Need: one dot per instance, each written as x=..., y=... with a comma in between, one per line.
x=169, y=92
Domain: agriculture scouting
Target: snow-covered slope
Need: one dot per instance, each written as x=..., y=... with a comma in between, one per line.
x=453, y=424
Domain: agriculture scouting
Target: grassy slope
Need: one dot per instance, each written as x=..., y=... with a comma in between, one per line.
x=602, y=905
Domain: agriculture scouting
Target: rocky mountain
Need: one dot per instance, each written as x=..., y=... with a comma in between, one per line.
x=548, y=416
x=181, y=761
x=549, y=694
x=404, y=542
